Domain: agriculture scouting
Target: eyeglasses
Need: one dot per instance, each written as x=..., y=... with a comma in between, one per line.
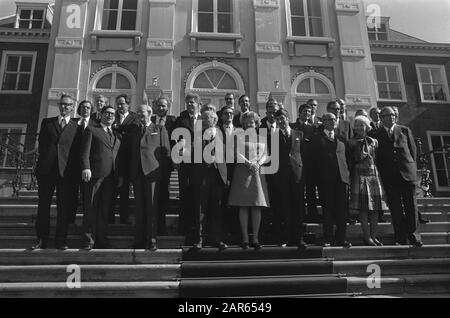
x=66, y=104
x=109, y=114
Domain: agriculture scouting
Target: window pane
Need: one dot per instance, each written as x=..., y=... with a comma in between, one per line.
x=13, y=63
x=372, y=36
x=205, y=5
x=304, y=87
x=298, y=26
x=25, y=14
x=112, y=4
x=396, y=92
x=392, y=74
x=383, y=91
x=314, y=8
x=122, y=82
x=205, y=22
x=436, y=76
x=215, y=76
x=446, y=141
x=297, y=8
x=424, y=75
x=25, y=65
x=382, y=36
x=128, y=20
x=105, y=82
x=321, y=88
x=109, y=21
x=440, y=170
x=315, y=27
x=428, y=92
x=202, y=82
x=439, y=92
x=224, y=23
x=382, y=27
x=9, y=84
x=24, y=82
x=224, y=5
x=436, y=142
x=36, y=24
x=24, y=24
x=381, y=73
x=227, y=83
x=130, y=4
x=38, y=14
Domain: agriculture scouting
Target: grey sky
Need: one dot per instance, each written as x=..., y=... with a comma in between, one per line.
x=425, y=19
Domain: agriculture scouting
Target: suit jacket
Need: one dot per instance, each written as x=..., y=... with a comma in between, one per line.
x=344, y=130
x=146, y=153
x=331, y=159
x=55, y=146
x=290, y=154
x=75, y=150
x=98, y=154
x=397, y=155
x=170, y=125
x=230, y=166
x=236, y=118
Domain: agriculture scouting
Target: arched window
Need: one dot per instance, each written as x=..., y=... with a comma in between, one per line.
x=213, y=80
x=111, y=82
x=312, y=85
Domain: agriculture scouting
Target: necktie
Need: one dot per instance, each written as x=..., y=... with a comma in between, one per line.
x=161, y=121
x=143, y=129
x=83, y=123
x=110, y=135
x=63, y=123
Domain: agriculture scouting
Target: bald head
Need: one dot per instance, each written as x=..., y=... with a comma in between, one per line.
x=388, y=117
x=329, y=121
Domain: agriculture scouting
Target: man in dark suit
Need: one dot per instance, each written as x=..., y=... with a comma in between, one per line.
x=101, y=171
x=165, y=122
x=84, y=111
x=149, y=145
x=124, y=120
x=188, y=119
x=100, y=102
x=314, y=120
x=308, y=183
x=209, y=179
x=343, y=127
x=229, y=101
x=396, y=161
x=375, y=123
x=331, y=169
x=54, y=170
x=289, y=205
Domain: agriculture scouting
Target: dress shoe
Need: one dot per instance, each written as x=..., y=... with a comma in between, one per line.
x=382, y=219
x=197, y=247
x=88, y=246
x=256, y=245
x=370, y=242
x=245, y=246
x=222, y=246
x=283, y=245
x=417, y=243
x=351, y=221
x=39, y=245
x=62, y=247
x=377, y=241
x=345, y=244
x=327, y=244
x=423, y=221
x=302, y=246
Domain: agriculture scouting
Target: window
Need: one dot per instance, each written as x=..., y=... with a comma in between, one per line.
x=380, y=33
x=119, y=14
x=215, y=16
x=11, y=141
x=31, y=18
x=306, y=18
x=390, y=84
x=17, y=71
x=440, y=159
x=433, y=83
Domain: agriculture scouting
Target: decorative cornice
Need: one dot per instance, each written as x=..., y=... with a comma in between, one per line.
x=410, y=45
x=347, y=7
x=350, y=51
x=160, y=44
x=112, y=64
x=268, y=47
x=69, y=43
x=264, y=5
x=26, y=33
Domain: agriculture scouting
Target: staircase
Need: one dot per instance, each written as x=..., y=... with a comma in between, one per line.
x=174, y=271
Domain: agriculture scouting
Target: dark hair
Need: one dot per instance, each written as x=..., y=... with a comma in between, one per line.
x=228, y=94
x=332, y=103
x=64, y=95
x=125, y=96
x=80, y=104
x=270, y=100
x=242, y=97
x=303, y=106
x=107, y=107
x=281, y=112
x=226, y=107
x=194, y=97
x=311, y=100
x=156, y=101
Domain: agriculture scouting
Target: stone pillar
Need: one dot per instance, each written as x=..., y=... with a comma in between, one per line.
x=268, y=49
x=160, y=46
x=67, y=49
x=355, y=53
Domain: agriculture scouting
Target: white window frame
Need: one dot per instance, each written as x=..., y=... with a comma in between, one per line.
x=324, y=16
x=433, y=165
x=444, y=84
x=99, y=17
x=236, y=28
x=3, y=65
x=30, y=21
x=377, y=32
x=22, y=140
x=400, y=77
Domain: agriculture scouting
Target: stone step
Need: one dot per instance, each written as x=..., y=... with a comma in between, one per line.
x=383, y=228
x=161, y=289
x=24, y=257
x=90, y=273
x=74, y=241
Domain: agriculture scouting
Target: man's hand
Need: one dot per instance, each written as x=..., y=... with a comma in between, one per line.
x=86, y=175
